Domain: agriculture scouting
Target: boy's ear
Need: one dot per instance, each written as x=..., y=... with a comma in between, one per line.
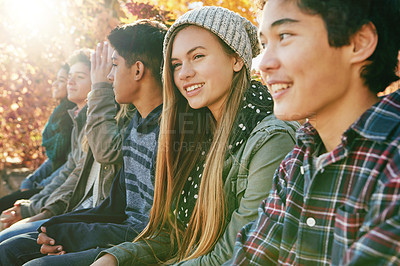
x=138, y=70
x=237, y=64
x=364, y=43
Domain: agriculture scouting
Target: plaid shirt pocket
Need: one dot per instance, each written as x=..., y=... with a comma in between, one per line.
x=346, y=230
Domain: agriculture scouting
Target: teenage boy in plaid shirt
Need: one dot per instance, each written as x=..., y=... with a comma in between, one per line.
x=336, y=196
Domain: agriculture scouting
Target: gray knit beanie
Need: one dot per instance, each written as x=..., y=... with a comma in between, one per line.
x=236, y=31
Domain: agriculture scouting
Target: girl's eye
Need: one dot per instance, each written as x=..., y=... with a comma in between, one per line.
x=197, y=56
x=175, y=66
x=264, y=45
x=114, y=65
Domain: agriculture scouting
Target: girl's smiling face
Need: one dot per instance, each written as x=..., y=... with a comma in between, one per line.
x=202, y=69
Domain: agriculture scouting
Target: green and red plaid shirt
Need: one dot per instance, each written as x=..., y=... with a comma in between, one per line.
x=349, y=212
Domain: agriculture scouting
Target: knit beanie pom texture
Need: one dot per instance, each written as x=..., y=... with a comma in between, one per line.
x=236, y=31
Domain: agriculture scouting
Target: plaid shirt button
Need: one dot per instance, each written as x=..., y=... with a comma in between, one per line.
x=310, y=221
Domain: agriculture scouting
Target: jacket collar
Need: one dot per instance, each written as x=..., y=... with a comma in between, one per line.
x=380, y=121
x=80, y=118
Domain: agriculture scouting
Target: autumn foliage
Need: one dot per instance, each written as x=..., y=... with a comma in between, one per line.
x=36, y=36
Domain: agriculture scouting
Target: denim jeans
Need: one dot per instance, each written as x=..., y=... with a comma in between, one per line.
x=23, y=248
x=19, y=249
x=18, y=229
x=83, y=258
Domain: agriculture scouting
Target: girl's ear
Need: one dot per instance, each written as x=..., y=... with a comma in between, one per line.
x=237, y=64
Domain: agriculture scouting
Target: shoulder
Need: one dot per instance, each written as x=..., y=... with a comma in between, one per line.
x=276, y=134
x=271, y=125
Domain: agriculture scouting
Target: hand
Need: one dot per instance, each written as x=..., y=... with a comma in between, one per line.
x=101, y=63
x=49, y=246
x=105, y=260
x=13, y=215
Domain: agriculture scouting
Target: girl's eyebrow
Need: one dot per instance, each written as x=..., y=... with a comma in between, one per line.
x=191, y=51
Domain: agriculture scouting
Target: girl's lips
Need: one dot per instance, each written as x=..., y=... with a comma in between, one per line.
x=193, y=87
x=193, y=90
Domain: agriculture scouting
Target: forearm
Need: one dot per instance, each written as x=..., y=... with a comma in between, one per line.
x=141, y=252
x=103, y=133
x=59, y=198
x=42, y=172
x=39, y=200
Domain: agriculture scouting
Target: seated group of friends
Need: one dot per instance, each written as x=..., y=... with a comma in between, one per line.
x=163, y=150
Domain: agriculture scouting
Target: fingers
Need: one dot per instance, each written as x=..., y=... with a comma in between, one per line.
x=110, y=52
x=99, y=49
x=59, y=253
x=105, y=53
x=10, y=211
x=6, y=219
x=54, y=250
x=44, y=239
x=93, y=61
x=102, y=55
x=18, y=202
x=101, y=63
x=9, y=220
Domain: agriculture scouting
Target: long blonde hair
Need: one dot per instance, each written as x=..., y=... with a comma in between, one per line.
x=173, y=166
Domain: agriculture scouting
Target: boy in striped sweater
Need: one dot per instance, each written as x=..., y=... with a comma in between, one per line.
x=79, y=236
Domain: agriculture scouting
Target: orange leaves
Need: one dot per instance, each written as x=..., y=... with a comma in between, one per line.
x=30, y=57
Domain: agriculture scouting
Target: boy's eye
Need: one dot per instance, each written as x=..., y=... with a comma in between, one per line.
x=283, y=36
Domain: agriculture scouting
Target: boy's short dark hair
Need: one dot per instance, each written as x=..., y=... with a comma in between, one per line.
x=81, y=56
x=65, y=66
x=343, y=18
x=140, y=41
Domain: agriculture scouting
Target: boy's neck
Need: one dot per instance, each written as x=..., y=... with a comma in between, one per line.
x=150, y=97
x=80, y=105
x=331, y=124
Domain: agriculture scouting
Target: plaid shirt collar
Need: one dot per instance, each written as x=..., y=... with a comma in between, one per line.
x=377, y=124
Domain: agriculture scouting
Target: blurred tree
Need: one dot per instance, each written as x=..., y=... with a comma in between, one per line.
x=36, y=36
x=168, y=10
